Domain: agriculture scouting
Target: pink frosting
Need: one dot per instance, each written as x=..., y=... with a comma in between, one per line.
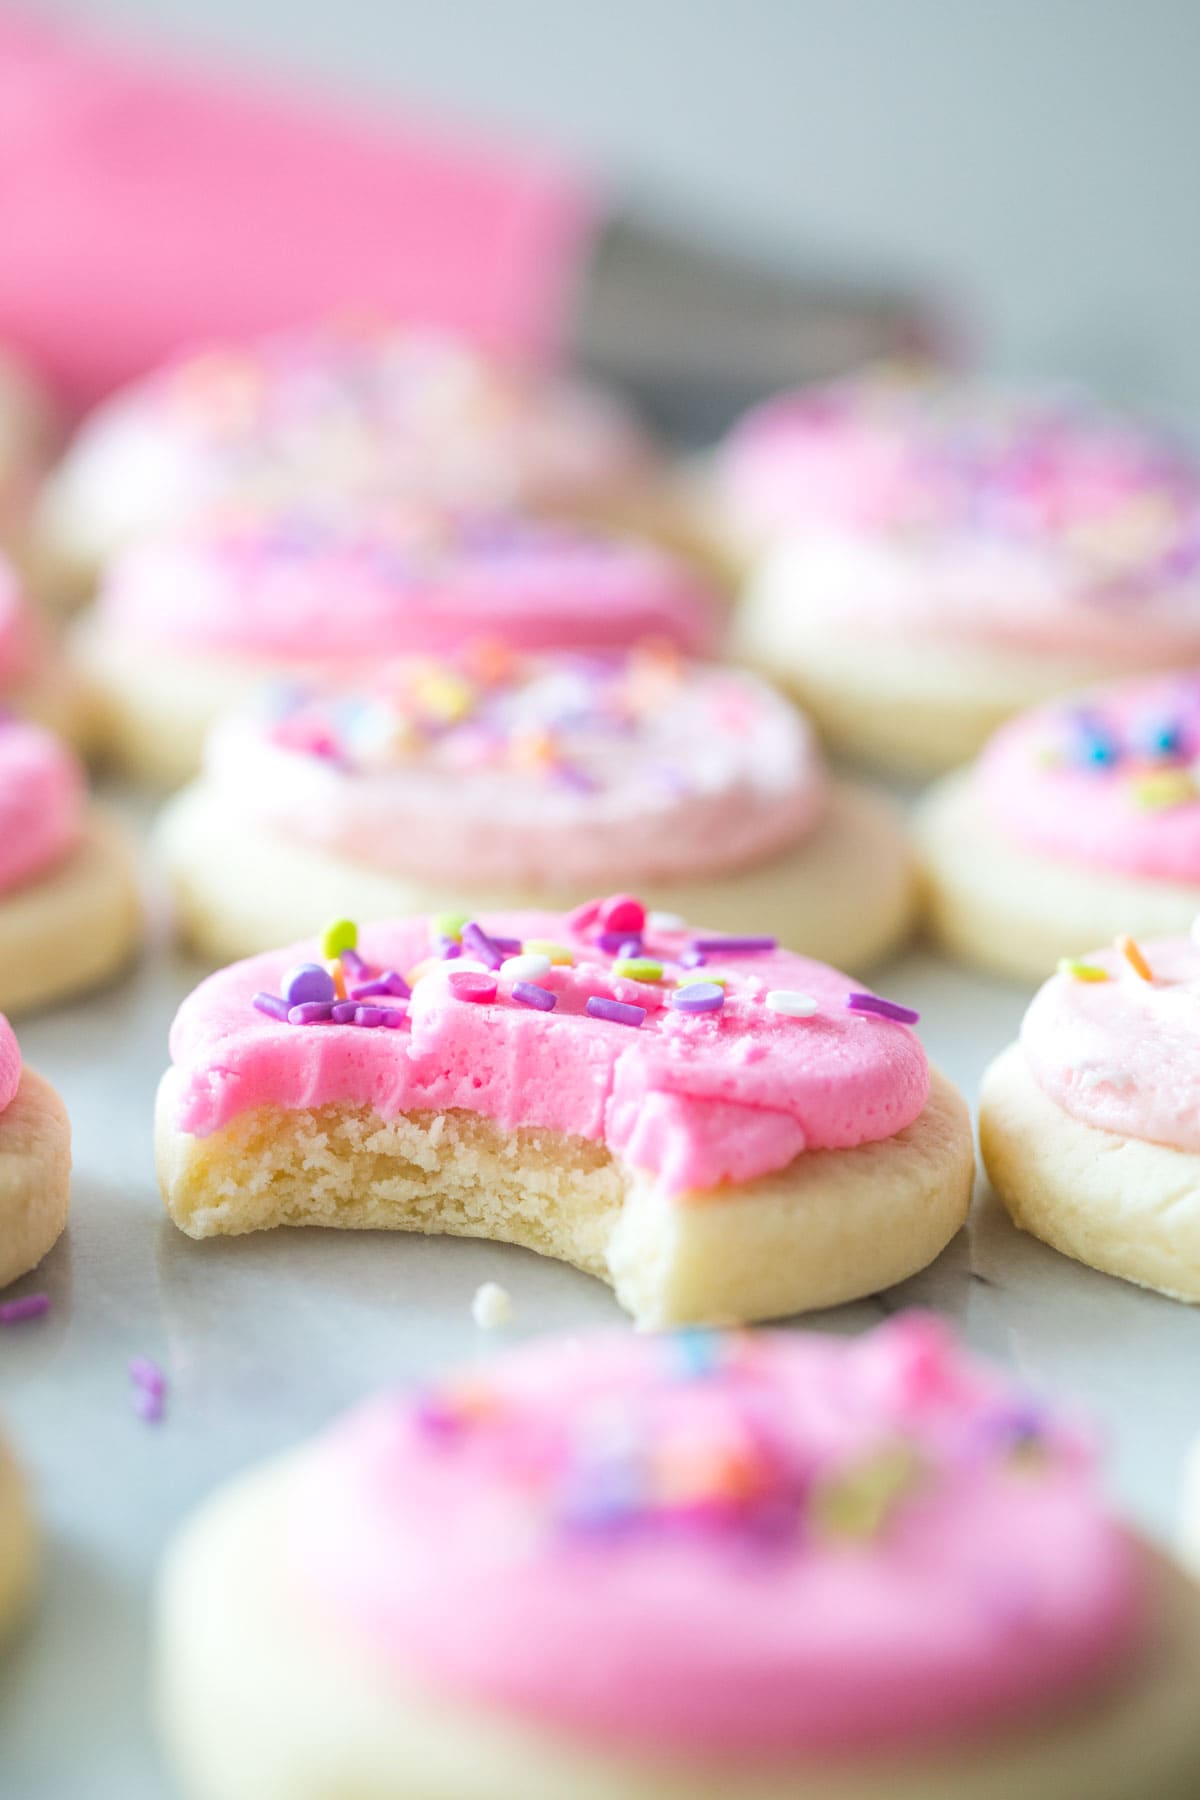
x=292, y=588
x=1104, y=779
x=555, y=772
x=22, y=644
x=694, y=1099
x=41, y=803
x=652, y=1542
x=1028, y=519
x=343, y=410
x=10, y=1064
x=1124, y=1054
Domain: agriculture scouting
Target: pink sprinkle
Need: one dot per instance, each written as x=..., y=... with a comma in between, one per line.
x=623, y=913
x=883, y=1009
x=616, y=1010
x=584, y=915
x=29, y=1306
x=149, y=1389
x=467, y=985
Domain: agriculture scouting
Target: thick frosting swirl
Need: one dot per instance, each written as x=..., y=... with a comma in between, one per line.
x=695, y=1098
x=41, y=802
x=766, y=1548
x=553, y=772
x=358, y=584
x=1107, y=779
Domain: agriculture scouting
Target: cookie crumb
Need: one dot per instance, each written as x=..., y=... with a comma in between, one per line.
x=492, y=1306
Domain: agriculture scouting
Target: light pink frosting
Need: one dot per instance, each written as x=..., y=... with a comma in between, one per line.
x=648, y=1542
x=361, y=410
x=295, y=588
x=1030, y=520
x=1105, y=779
x=556, y=772
x=695, y=1100
x=1124, y=1055
x=10, y=1064
x=41, y=802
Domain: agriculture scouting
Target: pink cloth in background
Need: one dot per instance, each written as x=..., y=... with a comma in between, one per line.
x=144, y=207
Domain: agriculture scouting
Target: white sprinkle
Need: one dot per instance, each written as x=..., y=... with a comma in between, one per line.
x=1094, y=1075
x=462, y=965
x=492, y=1306
x=657, y=921
x=531, y=966
x=793, y=1004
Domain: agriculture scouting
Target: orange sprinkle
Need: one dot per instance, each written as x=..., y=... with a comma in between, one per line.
x=1133, y=956
x=339, y=977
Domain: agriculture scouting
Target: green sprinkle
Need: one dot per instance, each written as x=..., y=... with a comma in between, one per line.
x=450, y=925
x=1082, y=971
x=1166, y=788
x=341, y=935
x=638, y=968
x=560, y=954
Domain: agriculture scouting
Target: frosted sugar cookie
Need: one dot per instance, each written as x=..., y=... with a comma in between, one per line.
x=500, y=781
x=943, y=554
x=69, y=910
x=35, y=678
x=189, y=626
x=719, y=1128
x=35, y=1176
x=781, y=1567
x=1080, y=820
x=1090, y=1125
x=330, y=410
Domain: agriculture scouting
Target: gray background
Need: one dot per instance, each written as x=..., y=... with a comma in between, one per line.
x=1036, y=158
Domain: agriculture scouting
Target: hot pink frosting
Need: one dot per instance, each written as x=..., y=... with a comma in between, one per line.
x=377, y=412
x=654, y=1543
x=294, y=588
x=41, y=802
x=694, y=1099
x=1124, y=1054
x=1027, y=519
x=1105, y=779
x=10, y=1064
x=555, y=772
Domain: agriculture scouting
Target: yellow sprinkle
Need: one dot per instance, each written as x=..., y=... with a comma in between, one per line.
x=450, y=924
x=558, y=953
x=445, y=695
x=1133, y=956
x=701, y=974
x=1082, y=971
x=638, y=968
x=341, y=935
x=858, y=1502
x=1164, y=789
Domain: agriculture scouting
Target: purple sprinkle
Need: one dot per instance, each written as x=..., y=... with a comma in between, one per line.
x=147, y=1374
x=353, y=963
x=449, y=948
x=884, y=1009
x=343, y=1012
x=735, y=946
x=510, y=946
x=699, y=997
x=148, y=1406
x=370, y=1016
x=619, y=943
x=393, y=1017
x=273, y=1004
x=476, y=940
x=528, y=993
x=387, y=983
x=312, y=1012
x=308, y=982
x=693, y=958
x=29, y=1306
x=616, y=1010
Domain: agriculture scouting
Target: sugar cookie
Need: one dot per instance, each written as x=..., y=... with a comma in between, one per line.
x=682, y=1568
x=943, y=554
x=28, y=438
x=35, y=1172
x=187, y=627
x=1079, y=821
x=35, y=678
x=630, y=1096
x=333, y=410
x=18, y=1537
x=1090, y=1125
x=504, y=782
x=69, y=909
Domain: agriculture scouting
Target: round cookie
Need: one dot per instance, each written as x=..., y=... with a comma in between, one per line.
x=18, y=1540
x=720, y=1129
x=505, y=782
x=1089, y=1124
x=942, y=554
x=682, y=1568
x=339, y=409
x=1080, y=821
x=35, y=1179
x=188, y=626
x=70, y=915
